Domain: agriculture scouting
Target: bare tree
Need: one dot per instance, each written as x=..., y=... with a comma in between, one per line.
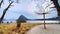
x=4, y=11
x=57, y=6
x=43, y=12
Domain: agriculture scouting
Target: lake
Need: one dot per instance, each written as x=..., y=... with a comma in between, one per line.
x=34, y=21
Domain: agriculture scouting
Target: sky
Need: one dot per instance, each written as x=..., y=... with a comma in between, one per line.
x=28, y=8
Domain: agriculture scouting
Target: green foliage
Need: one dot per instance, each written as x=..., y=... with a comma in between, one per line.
x=21, y=21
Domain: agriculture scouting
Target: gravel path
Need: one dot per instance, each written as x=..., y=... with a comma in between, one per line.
x=51, y=29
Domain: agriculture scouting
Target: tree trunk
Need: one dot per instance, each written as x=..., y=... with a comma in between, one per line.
x=57, y=6
x=4, y=12
x=44, y=20
x=18, y=25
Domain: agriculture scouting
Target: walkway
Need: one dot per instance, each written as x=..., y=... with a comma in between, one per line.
x=51, y=29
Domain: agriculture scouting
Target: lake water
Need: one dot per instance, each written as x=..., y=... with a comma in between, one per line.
x=42, y=21
x=34, y=21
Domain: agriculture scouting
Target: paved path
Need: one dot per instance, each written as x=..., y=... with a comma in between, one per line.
x=51, y=29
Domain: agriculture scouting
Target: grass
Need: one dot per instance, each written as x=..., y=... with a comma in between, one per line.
x=11, y=28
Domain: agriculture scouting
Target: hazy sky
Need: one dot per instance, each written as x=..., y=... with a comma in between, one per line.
x=28, y=9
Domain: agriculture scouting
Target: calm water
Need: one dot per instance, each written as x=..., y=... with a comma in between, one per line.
x=34, y=21
x=47, y=21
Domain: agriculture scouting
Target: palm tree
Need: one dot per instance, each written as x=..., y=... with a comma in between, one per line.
x=57, y=6
x=4, y=12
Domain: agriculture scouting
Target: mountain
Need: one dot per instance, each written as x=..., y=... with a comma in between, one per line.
x=22, y=17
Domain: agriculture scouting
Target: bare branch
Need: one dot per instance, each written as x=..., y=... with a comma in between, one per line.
x=1, y=3
x=8, y=6
x=4, y=11
x=57, y=6
x=17, y=1
x=9, y=1
x=49, y=5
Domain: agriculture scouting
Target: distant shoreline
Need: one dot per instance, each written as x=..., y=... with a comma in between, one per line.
x=34, y=21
